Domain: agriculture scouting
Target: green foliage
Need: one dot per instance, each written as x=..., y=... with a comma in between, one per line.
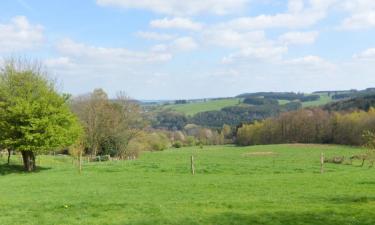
x=177, y=144
x=260, y=101
x=231, y=186
x=291, y=106
x=235, y=115
x=309, y=126
x=190, y=141
x=153, y=141
x=33, y=116
x=109, y=124
x=169, y=120
x=369, y=140
x=362, y=102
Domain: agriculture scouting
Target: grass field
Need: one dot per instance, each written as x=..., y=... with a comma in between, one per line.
x=209, y=105
x=275, y=184
x=324, y=99
x=194, y=108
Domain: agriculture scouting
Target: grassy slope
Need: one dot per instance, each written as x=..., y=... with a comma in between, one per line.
x=324, y=99
x=193, y=108
x=228, y=188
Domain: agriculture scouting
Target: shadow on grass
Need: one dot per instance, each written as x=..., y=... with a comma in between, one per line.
x=6, y=169
x=291, y=218
x=353, y=199
x=275, y=218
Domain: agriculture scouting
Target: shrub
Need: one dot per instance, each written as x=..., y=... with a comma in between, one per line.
x=177, y=144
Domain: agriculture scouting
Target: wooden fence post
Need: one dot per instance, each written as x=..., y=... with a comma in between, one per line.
x=322, y=162
x=80, y=162
x=192, y=165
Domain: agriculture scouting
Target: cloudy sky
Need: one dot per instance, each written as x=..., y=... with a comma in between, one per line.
x=172, y=49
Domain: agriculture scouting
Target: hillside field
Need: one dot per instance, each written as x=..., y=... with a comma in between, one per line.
x=209, y=105
x=267, y=185
x=324, y=99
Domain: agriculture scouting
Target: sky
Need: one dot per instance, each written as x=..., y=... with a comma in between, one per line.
x=173, y=49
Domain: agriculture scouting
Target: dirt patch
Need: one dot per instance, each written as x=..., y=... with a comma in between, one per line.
x=250, y=154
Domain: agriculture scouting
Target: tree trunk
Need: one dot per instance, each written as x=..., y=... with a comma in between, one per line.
x=28, y=160
x=9, y=152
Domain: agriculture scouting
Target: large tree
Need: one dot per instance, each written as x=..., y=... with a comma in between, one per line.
x=109, y=124
x=34, y=117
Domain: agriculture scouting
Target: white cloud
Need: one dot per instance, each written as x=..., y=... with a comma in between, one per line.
x=234, y=39
x=311, y=62
x=368, y=54
x=178, y=7
x=298, y=16
x=249, y=45
x=362, y=14
x=155, y=36
x=178, y=45
x=60, y=62
x=184, y=44
x=176, y=23
x=295, y=6
x=160, y=48
x=299, y=38
x=20, y=35
x=93, y=54
x=359, y=21
x=256, y=53
x=84, y=67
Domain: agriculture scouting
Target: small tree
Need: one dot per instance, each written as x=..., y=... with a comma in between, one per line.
x=34, y=118
x=109, y=125
x=369, y=140
x=77, y=151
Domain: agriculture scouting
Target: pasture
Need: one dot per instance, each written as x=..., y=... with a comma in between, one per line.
x=193, y=108
x=267, y=185
x=324, y=99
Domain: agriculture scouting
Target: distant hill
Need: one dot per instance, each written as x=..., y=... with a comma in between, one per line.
x=195, y=106
x=249, y=107
x=362, y=102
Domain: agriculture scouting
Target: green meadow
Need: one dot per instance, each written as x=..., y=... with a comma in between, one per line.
x=193, y=108
x=324, y=99
x=267, y=185
x=209, y=105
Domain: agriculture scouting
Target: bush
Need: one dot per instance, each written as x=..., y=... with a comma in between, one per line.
x=177, y=144
x=190, y=141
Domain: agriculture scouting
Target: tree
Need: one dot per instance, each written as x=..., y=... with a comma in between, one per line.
x=369, y=139
x=93, y=111
x=369, y=144
x=128, y=123
x=34, y=118
x=109, y=124
x=227, y=131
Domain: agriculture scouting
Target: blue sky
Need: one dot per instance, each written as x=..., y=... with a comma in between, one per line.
x=172, y=49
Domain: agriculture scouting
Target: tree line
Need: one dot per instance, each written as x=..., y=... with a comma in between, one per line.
x=309, y=126
x=290, y=96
